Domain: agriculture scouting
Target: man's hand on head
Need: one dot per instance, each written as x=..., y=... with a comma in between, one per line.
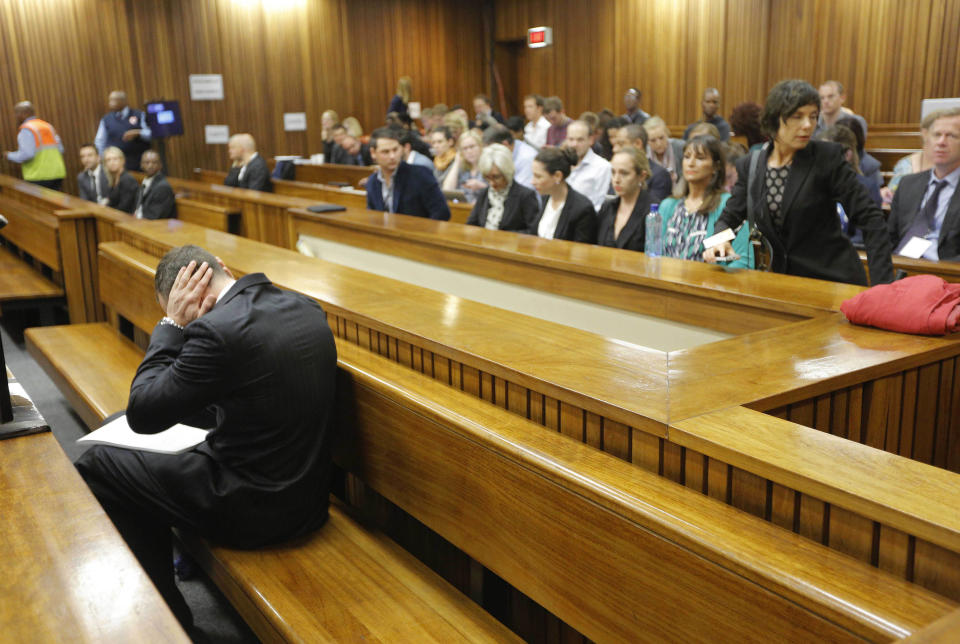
x=189, y=297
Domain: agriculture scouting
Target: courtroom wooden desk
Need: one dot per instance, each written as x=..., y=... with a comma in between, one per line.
x=67, y=574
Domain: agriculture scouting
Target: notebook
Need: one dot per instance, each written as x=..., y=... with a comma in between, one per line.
x=117, y=432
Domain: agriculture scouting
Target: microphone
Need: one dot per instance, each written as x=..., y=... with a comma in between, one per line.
x=3, y=221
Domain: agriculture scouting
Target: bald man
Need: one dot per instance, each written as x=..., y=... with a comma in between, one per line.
x=249, y=170
x=125, y=128
x=40, y=152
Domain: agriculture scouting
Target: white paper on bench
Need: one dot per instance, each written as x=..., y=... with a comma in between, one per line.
x=117, y=432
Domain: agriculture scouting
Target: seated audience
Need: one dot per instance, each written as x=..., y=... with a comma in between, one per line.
x=92, y=182
x=869, y=165
x=522, y=153
x=485, y=115
x=413, y=156
x=444, y=152
x=155, y=199
x=832, y=98
x=745, y=121
x=631, y=102
x=122, y=187
x=926, y=206
x=591, y=176
x=565, y=213
x=802, y=227
x=919, y=161
x=535, y=131
x=249, y=169
x=456, y=123
x=732, y=152
x=400, y=100
x=690, y=216
x=353, y=126
x=515, y=125
x=703, y=129
x=399, y=187
x=466, y=177
x=848, y=141
x=608, y=131
x=351, y=152
x=660, y=185
x=327, y=120
x=622, y=220
x=663, y=150
x=710, y=105
x=553, y=111
x=505, y=204
x=337, y=132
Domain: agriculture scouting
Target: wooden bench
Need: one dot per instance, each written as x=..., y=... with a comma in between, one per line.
x=430, y=401
x=209, y=215
x=30, y=282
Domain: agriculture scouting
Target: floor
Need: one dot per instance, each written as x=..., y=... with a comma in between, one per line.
x=214, y=617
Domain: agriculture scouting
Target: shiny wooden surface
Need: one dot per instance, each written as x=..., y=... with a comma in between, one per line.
x=209, y=215
x=32, y=230
x=19, y=281
x=67, y=572
x=945, y=630
x=332, y=172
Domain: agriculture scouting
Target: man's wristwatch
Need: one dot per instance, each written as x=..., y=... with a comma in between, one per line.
x=169, y=320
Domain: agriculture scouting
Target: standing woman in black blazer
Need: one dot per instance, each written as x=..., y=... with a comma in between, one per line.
x=504, y=204
x=796, y=187
x=123, y=187
x=565, y=214
x=623, y=220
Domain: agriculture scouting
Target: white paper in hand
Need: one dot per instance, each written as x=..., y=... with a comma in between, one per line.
x=117, y=432
x=915, y=248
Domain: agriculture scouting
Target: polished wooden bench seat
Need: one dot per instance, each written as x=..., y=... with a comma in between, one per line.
x=19, y=281
x=672, y=550
x=209, y=215
x=31, y=274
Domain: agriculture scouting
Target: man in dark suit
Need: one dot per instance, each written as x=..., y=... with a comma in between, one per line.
x=155, y=198
x=92, y=183
x=351, y=151
x=926, y=205
x=249, y=170
x=400, y=187
x=255, y=363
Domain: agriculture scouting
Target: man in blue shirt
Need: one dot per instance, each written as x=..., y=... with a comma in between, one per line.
x=125, y=128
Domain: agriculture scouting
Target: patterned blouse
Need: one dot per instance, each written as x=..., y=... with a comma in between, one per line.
x=776, y=185
x=685, y=233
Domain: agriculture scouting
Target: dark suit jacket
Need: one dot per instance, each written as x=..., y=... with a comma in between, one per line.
x=578, y=219
x=87, y=190
x=259, y=368
x=634, y=233
x=415, y=192
x=158, y=202
x=813, y=244
x=519, y=209
x=906, y=205
x=123, y=196
x=660, y=185
x=339, y=155
x=256, y=177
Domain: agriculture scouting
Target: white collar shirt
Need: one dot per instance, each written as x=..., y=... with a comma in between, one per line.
x=535, y=132
x=591, y=178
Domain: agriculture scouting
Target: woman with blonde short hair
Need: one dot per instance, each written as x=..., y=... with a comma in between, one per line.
x=123, y=187
x=505, y=204
x=466, y=176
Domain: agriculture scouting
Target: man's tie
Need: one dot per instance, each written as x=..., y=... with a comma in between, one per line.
x=926, y=219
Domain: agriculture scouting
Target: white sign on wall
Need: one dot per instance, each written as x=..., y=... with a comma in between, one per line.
x=216, y=134
x=206, y=87
x=295, y=121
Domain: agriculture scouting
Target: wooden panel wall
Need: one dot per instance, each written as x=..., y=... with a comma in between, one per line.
x=889, y=53
x=276, y=56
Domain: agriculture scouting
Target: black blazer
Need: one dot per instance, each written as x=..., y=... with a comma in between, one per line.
x=86, y=188
x=578, y=219
x=256, y=177
x=813, y=244
x=415, y=192
x=634, y=233
x=906, y=205
x=519, y=209
x=158, y=202
x=268, y=395
x=660, y=185
x=123, y=196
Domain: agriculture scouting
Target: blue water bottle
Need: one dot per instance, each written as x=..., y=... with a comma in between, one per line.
x=653, y=246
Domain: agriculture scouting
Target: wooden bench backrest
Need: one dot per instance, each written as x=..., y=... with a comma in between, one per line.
x=209, y=215
x=31, y=229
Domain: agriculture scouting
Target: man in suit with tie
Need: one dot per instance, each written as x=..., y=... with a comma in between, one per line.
x=350, y=151
x=924, y=217
x=400, y=187
x=92, y=183
x=155, y=198
x=262, y=475
x=249, y=170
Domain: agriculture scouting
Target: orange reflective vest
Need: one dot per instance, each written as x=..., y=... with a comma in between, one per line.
x=47, y=163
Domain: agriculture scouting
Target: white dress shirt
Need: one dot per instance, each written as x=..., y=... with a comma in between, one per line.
x=523, y=156
x=591, y=178
x=551, y=217
x=943, y=202
x=535, y=132
x=143, y=193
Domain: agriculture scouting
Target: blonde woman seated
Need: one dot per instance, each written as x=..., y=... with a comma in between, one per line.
x=662, y=149
x=505, y=204
x=465, y=176
x=690, y=215
x=623, y=219
x=123, y=187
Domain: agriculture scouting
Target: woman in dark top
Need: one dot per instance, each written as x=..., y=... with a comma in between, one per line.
x=565, y=214
x=794, y=193
x=623, y=220
x=505, y=204
x=123, y=187
x=404, y=93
